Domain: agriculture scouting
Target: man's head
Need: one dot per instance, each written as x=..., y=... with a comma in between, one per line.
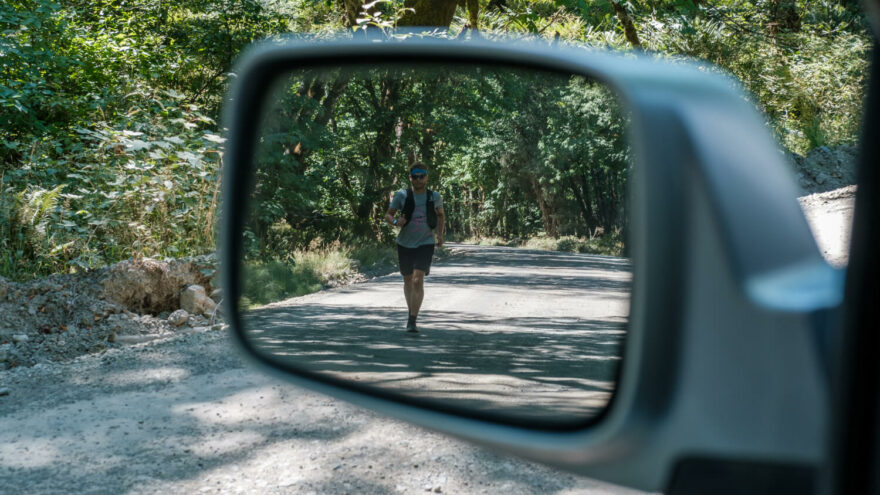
x=418, y=176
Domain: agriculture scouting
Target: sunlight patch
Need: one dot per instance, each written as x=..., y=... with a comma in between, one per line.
x=33, y=453
x=147, y=376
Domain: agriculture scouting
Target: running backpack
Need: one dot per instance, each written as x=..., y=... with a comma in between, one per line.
x=409, y=206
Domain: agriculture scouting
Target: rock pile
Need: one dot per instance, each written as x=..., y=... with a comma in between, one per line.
x=63, y=316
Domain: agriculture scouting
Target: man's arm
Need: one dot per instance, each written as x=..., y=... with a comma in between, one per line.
x=389, y=217
x=441, y=225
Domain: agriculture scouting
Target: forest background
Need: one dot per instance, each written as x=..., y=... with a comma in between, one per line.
x=111, y=148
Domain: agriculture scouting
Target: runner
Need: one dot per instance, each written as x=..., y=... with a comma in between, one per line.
x=416, y=239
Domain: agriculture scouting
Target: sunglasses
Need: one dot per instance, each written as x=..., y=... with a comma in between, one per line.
x=418, y=176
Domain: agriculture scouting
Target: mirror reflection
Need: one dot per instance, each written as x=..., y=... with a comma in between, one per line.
x=452, y=233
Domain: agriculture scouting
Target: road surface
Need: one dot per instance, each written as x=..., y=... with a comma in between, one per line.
x=525, y=333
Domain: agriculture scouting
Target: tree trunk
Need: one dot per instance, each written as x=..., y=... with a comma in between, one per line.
x=629, y=29
x=473, y=7
x=583, y=201
x=428, y=13
x=546, y=211
x=592, y=221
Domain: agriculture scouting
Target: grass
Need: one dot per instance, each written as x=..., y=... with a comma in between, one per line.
x=606, y=244
x=308, y=271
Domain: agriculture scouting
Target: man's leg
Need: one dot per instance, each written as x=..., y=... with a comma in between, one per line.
x=407, y=291
x=405, y=259
x=417, y=292
x=414, y=289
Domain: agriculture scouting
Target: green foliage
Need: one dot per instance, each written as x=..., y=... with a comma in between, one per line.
x=373, y=255
x=25, y=218
x=110, y=146
x=604, y=244
x=807, y=72
x=275, y=281
x=517, y=153
x=115, y=102
x=305, y=271
x=144, y=187
x=381, y=14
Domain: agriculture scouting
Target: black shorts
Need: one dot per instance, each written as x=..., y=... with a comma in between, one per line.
x=415, y=258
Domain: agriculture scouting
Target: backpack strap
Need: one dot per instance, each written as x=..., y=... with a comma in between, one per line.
x=430, y=211
x=409, y=205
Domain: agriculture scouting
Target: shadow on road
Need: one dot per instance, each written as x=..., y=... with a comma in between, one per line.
x=533, y=366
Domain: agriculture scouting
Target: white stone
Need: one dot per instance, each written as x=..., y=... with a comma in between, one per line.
x=178, y=317
x=194, y=300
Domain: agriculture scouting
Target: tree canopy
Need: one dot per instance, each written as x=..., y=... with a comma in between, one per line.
x=514, y=153
x=111, y=146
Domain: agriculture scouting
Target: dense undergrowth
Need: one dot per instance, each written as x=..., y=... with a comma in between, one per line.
x=111, y=147
x=310, y=270
x=605, y=244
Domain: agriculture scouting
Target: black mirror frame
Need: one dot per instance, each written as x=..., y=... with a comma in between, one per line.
x=693, y=195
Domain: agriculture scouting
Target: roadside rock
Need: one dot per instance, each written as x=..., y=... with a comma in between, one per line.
x=824, y=169
x=64, y=316
x=150, y=286
x=178, y=317
x=194, y=300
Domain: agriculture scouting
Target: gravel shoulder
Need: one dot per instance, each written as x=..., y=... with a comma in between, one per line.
x=185, y=415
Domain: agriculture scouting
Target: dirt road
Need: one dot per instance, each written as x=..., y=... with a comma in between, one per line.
x=527, y=333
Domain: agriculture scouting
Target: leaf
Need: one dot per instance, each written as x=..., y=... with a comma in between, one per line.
x=137, y=145
x=372, y=4
x=62, y=247
x=174, y=94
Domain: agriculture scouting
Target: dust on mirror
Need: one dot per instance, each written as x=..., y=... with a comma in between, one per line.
x=515, y=303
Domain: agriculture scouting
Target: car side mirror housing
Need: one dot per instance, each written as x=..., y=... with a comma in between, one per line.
x=724, y=356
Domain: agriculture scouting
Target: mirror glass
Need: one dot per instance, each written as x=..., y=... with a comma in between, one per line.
x=521, y=312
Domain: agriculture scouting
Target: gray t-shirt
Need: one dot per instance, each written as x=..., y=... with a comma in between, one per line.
x=416, y=232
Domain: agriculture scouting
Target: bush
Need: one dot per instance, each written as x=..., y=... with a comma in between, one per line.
x=272, y=281
x=306, y=271
x=606, y=244
x=542, y=243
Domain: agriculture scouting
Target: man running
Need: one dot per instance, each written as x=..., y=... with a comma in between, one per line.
x=415, y=242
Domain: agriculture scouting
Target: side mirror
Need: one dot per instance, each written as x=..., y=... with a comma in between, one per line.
x=709, y=321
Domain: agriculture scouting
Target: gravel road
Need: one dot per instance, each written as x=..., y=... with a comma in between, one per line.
x=183, y=414
x=531, y=334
